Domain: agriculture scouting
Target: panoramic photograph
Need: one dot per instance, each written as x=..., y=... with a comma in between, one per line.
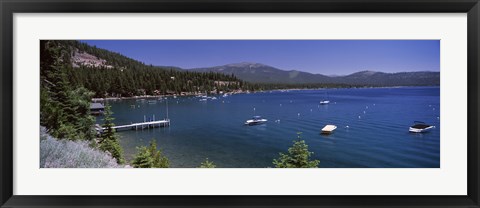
x=239, y=104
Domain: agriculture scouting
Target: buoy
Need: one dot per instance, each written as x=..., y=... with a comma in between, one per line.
x=364, y=112
x=359, y=117
x=347, y=126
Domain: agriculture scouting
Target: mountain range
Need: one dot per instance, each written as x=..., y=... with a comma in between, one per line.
x=85, y=55
x=261, y=73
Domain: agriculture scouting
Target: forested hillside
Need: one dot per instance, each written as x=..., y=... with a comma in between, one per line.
x=111, y=74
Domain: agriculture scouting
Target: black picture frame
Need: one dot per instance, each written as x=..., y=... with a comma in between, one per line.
x=9, y=7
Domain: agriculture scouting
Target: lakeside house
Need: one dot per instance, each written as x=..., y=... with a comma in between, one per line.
x=96, y=108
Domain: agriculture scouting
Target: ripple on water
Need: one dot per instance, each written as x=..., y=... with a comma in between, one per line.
x=215, y=130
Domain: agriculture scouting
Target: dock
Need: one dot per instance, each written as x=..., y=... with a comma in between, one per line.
x=144, y=125
x=137, y=126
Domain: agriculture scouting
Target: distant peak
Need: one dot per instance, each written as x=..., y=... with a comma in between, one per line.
x=246, y=64
x=367, y=72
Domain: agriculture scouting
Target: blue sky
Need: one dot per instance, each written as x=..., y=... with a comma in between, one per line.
x=329, y=57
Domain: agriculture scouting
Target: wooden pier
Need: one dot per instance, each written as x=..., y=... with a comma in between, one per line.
x=144, y=125
x=137, y=126
x=141, y=125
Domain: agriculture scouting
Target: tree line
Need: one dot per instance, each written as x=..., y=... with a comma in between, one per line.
x=121, y=76
x=126, y=77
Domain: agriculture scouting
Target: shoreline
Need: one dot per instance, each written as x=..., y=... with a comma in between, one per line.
x=161, y=96
x=241, y=92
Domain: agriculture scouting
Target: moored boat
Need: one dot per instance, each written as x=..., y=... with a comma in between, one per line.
x=255, y=121
x=420, y=127
x=324, y=102
x=328, y=129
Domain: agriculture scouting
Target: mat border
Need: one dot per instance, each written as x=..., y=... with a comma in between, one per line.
x=9, y=7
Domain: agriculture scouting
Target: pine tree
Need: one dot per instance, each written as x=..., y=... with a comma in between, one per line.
x=109, y=141
x=297, y=157
x=150, y=157
x=84, y=121
x=143, y=158
x=61, y=111
x=207, y=164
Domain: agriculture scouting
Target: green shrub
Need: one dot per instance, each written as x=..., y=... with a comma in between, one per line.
x=207, y=164
x=150, y=157
x=297, y=157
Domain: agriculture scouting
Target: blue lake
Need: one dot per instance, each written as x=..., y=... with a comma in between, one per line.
x=376, y=137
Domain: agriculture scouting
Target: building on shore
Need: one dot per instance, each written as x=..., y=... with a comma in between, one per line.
x=96, y=108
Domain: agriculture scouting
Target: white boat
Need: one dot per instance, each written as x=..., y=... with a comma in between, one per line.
x=328, y=129
x=324, y=102
x=255, y=121
x=420, y=127
x=203, y=100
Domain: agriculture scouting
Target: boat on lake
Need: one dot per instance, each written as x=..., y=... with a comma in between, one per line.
x=324, y=102
x=328, y=129
x=256, y=120
x=420, y=127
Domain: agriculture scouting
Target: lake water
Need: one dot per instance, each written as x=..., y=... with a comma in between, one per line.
x=372, y=127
